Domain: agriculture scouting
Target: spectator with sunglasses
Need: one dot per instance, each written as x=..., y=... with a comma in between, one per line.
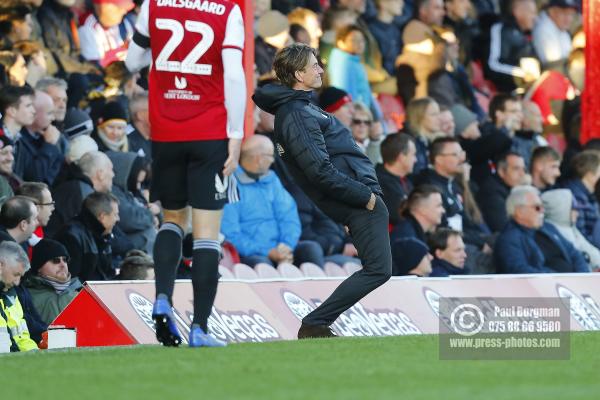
x=367, y=134
x=528, y=245
x=49, y=281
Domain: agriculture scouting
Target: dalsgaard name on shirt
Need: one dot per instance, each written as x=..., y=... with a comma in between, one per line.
x=200, y=5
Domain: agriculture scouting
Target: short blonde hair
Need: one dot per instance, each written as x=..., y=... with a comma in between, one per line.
x=415, y=113
x=359, y=106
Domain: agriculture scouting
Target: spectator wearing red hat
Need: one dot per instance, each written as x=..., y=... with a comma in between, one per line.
x=337, y=102
x=105, y=33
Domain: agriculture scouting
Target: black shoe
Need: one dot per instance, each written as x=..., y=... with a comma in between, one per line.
x=315, y=331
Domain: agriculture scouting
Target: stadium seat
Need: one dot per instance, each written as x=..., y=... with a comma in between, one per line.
x=334, y=270
x=242, y=271
x=266, y=271
x=287, y=270
x=479, y=82
x=225, y=272
x=311, y=270
x=551, y=87
x=351, y=268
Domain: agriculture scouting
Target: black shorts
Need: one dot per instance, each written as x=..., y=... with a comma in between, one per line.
x=189, y=173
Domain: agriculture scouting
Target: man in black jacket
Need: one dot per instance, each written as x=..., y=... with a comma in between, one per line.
x=399, y=155
x=491, y=198
x=447, y=159
x=506, y=117
x=509, y=43
x=38, y=157
x=328, y=165
x=93, y=172
x=88, y=238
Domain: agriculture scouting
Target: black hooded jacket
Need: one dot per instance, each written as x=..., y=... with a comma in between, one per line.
x=89, y=248
x=68, y=196
x=319, y=152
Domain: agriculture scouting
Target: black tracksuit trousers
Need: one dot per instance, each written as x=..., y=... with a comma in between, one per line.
x=369, y=231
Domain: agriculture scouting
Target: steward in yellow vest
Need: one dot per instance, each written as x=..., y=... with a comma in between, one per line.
x=15, y=322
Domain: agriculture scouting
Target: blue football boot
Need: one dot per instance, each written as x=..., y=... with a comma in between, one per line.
x=164, y=323
x=200, y=339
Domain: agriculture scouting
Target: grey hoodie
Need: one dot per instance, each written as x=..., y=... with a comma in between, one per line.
x=558, y=204
x=135, y=218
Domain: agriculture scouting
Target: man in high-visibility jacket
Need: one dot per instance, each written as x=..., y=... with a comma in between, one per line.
x=13, y=265
x=5, y=339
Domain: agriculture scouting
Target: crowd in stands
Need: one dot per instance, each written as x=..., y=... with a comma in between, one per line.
x=469, y=109
x=451, y=101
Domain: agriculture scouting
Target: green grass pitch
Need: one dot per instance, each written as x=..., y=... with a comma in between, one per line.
x=364, y=368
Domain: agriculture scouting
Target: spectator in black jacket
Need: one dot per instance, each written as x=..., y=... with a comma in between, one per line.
x=421, y=215
x=93, y=172
x=510, y=172
x=466, y=28
x=38, y=157
x=411, y=257
x=88, y=238
x=18, y=219
x=496, y=136
x=449, y=255
x=326, y=163
x=399, y=156
x=447, y=159
x=510, y=43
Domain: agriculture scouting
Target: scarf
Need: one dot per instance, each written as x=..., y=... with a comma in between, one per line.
x=121, y=145
x=59, y=287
